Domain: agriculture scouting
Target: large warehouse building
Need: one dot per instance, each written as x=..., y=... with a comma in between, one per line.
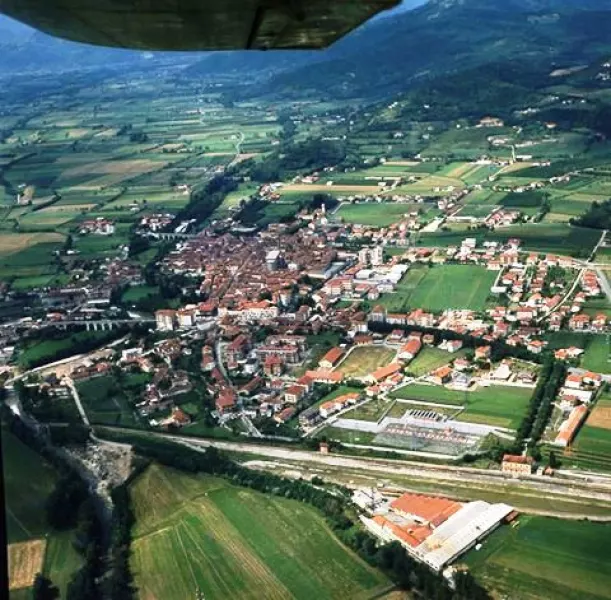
x=435, y=530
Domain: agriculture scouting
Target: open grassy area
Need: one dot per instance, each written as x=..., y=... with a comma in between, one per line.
x=44, y=351
x=440, y=288
x=377, y=214
x=431, y=358
x=370, y=411
x=597, y=348
x=363, y=360
x=597, y=355
x=106, y=402
x=28, y=480
x=542, y=237
x=194, y=532
x=546, y=559
x=501, y=406
x=139, y=292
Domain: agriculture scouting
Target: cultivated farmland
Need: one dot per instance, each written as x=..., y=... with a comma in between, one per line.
x=28, y=481
x=543, y=558
x=592, y=448
x=195, y=532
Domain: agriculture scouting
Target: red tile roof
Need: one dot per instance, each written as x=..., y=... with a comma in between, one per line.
x=428, y=508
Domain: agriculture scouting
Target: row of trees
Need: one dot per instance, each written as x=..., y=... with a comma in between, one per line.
x=297, y=158
x=541, y=404
x=391, y=558
x=120, y=583
x=546, y=405
x=597, y=217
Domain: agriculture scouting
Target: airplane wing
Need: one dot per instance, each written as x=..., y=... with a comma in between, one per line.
x=197, y=24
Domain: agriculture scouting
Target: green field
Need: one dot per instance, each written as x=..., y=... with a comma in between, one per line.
x=363, y=360
x=28, y=480
x=431, y=358
x=500, y=406
x=597, y=354
x=541, y=237
x=195, y=532
x=376, y=214
x=546, y=559
x=597, y=349
x=440, y=288
x=139, y=292
x=45, y=351
x=105, y=402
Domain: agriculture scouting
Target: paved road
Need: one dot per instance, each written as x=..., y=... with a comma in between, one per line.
x=77, y=400
x=566, y=298
x=604, y=283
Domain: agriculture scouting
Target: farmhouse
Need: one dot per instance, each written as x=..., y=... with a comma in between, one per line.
x=331, y=358
x=442, y=375
x=410, y=350
x=517, y=465
x=569, y=426
x=384, y=372
x=330, y=407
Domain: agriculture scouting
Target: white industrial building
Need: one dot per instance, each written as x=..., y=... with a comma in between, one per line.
x=439, y=540
x=461, y=532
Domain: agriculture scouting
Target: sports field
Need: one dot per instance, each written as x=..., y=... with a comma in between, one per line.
x=546, y=559
x=499, y=406
x=440, y=288
x=364, y=360
x=201, y=533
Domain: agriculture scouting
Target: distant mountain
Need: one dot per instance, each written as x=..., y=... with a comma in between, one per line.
x=386, y=55
x=448, y=36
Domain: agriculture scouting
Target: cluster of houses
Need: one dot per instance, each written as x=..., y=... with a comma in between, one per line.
x=99, y=226
x=579, y=390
